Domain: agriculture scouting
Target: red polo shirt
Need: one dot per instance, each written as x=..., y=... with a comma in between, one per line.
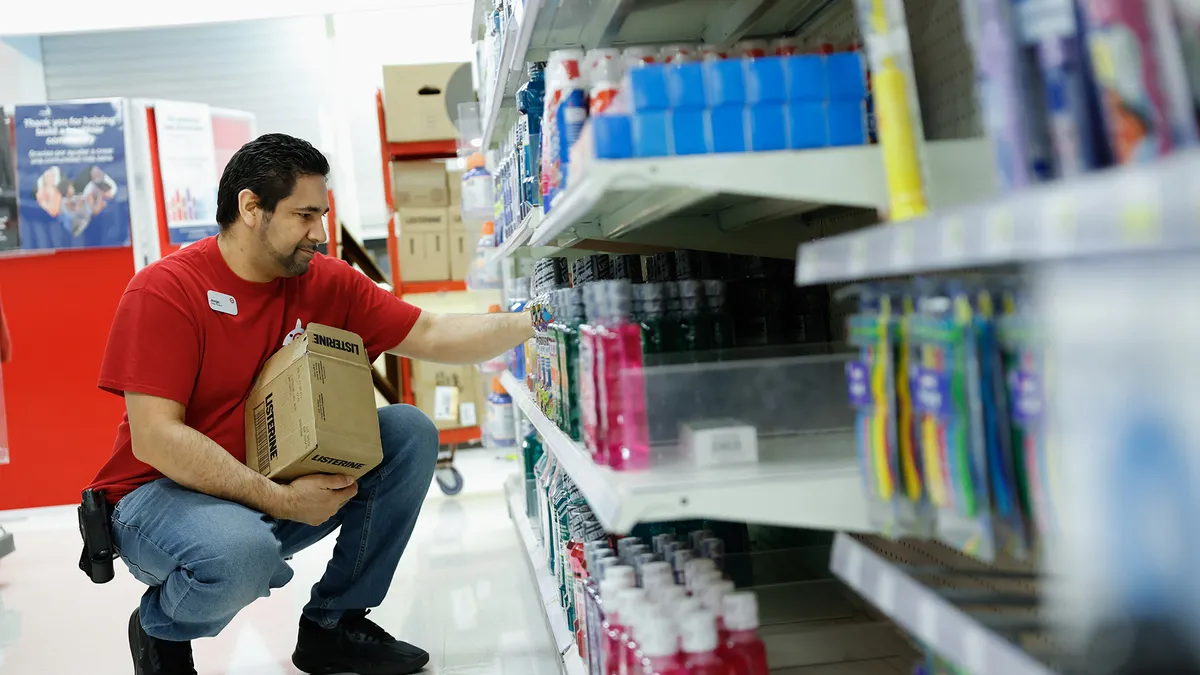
x=167, y=340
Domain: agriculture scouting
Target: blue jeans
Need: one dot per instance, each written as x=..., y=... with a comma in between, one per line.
x=206, y=558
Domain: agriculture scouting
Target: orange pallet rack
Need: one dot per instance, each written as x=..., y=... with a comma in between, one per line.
x=391, y=152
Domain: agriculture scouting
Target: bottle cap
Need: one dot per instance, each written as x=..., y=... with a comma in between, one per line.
x=697, y=565
x=635, y=57
x=699, y=632
x=669, y=596
x=625, y=542
x=740, y=611
x=610, y=594
x=604, y=564
x=658, y=638
x=631, y=601
x=701, y=579
x=657, y=569
x=682, y=557
x=688, y=605
x=640, y=559
x=621, y=572
x=654, y=583
x=668, y=551
x=661, y=539
x=713, y=593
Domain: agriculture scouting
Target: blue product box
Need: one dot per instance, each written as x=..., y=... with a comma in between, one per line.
x=651, y=134
x=725, y=82
x=847, y=76
x=806, y=75
x=613, y=135
x=767, y=124
x=808, y=126
x=648, y=87
x=847, y=122
x=685, y=85
x=687, y=132
x=765, y=80
x=726, y=128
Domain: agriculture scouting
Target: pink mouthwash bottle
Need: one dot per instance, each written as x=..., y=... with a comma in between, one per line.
x=589, y=388
x=742, y=649
x=620, y=376
x=610, y=593
x=700, y=645
x=618, y=631
x=660, y=649
x=636, y=628
x=712, y=596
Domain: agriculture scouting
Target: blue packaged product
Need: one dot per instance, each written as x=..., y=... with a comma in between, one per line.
x=806, y=77
x=614, y=136
x=688, y=135
x=847, y=122
x=572, y=113
x=724, y=83
x=651, y=134
x=685, y=85
x=647, y=84
x=846, y=77
x=808, y=126
x=767, y=125
x=765, y=80
x=726, y=128
x=531, y=102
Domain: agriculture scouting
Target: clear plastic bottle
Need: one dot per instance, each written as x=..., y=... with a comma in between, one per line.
x=619, y=369
x=700, y=645
x=478, y=191
x=660, y=649
x=741, y=647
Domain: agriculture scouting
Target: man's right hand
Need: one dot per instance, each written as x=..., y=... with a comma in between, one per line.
x=317, y=498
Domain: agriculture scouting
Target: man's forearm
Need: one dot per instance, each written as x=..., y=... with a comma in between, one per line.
x=195, y=461
x=466, y=338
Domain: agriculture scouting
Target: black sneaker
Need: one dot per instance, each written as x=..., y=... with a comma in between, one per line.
x=358, y=645
x=152, y=656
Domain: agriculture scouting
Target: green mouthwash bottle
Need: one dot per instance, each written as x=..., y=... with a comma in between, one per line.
x=693, y=332
x=566, y=340
x=720, y=322
x=649, y=312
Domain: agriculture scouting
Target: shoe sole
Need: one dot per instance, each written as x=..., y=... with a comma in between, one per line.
x=298, y=660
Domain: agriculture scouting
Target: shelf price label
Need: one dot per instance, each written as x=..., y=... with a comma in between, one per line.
x=1059, y=223
x=999, y=229
x=954, y=239
x=1140, y=213
x=807, y=271
x=904, y=246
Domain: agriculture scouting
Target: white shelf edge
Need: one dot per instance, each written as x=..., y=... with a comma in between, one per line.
x=825, y=496
x=844, y=176
x=932, y=619
x=512, y=59
x=1130, y=210
x=543, y=582
x=518, y=238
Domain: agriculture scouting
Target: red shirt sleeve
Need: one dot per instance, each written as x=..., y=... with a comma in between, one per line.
x=153, y=348
x=379, y=317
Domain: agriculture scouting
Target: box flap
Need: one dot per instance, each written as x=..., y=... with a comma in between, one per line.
x=334, y=342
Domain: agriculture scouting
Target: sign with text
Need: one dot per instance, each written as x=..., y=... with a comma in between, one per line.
x=187, y=158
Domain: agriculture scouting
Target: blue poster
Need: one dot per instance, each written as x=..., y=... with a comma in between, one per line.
x=72, y=182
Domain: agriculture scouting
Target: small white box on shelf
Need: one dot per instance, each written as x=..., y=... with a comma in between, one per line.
x=714, y=442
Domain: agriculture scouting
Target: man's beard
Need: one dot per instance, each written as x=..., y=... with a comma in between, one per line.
x=294, y=263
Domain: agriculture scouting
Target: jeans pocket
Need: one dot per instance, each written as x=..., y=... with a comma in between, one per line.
x=147, y=562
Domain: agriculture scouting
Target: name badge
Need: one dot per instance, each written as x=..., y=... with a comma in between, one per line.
x=220, y=302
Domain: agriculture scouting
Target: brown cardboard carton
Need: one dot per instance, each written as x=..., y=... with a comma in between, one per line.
x=415, y=107
x=454, y=218
x=451, y=395
x=312, y=409
x=462, y=254
x=454, y=183
x=413, y=220
x=424, y=256
x=420, y=184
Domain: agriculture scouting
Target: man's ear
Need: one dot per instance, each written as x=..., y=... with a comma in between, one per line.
x=248, y=208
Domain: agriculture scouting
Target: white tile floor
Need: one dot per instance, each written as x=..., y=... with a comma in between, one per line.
x=462, y=592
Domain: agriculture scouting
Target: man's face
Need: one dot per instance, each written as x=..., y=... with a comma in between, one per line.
x=290, y=236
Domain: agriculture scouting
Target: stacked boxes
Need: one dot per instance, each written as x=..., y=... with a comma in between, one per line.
x=739, y=105
x=434, y=245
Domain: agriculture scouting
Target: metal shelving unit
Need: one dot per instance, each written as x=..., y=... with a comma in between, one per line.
x=808, y=482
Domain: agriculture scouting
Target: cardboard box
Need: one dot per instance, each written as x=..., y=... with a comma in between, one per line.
x=312, y=409
x=454, y=183
x=462, y=254
x=454, y=219
x=420, y=184
x=414, y=220
x=415, y=103
x=424, y=256
x=451, y=395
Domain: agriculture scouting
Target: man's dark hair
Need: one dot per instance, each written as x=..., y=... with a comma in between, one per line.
x=268, y=166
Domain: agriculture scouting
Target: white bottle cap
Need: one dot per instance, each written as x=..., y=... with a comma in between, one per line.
x=668, y=597
x=648, y=614
x=657, y=568
x=622, y=572
x=610, y=590
x=630, y=601
x=658, y=638
x=713, y=593
x=699, y=632
x=700, y=580
x=682, y=557
x=655, y=583
x=688, y=605
x=740, y=611
x=699, y=565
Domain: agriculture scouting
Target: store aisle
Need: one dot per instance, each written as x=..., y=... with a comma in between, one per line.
x=462, y=592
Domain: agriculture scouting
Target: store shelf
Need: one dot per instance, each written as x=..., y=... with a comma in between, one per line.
x=613, y=199
x=543, y=581
x=887, y=574
x=422, y=150
x=459, y=436
x=519, y=238
x=511, y=67
x=7, y=543
x=806, y=481
x=1137, y=209
x=432, y=287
